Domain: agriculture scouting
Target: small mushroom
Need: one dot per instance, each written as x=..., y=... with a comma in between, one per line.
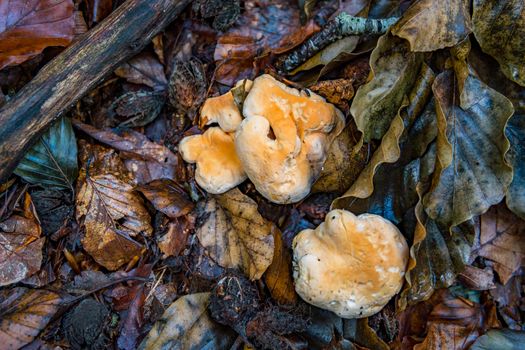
x=223, y=109
x=218, y=167
x=283, y=141
x=351, y=265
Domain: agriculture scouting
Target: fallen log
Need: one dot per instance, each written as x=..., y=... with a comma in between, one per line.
x=77, y=70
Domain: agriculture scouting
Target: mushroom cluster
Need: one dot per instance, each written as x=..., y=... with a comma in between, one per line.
x=279, y=141
x=351, y=265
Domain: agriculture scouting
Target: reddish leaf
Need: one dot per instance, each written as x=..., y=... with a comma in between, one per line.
x=28, y=27
x=23, y=314
x=20, y=249
x=503, y=240
x=145, y=69
x=168, y=197
x=174, y=241
x=130, y=331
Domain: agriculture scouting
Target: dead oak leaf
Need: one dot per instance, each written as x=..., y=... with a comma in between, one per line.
x=109, y=209
x=20, y=249
x=502, y=239
x=24, y=313
x=28, y=27
x=234, y=234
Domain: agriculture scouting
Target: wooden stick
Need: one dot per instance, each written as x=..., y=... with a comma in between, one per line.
x=77, y=70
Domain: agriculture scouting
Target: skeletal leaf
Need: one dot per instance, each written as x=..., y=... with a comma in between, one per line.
x=234, y=234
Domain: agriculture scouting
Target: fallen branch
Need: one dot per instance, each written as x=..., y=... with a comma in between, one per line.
x=341, y=26
x=77, y=70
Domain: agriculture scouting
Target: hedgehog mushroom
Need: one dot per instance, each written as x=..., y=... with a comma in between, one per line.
x=351, y=265
x=283, y=141
x=223, y=109
x=218, y=167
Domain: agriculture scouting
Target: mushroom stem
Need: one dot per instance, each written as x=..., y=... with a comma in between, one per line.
x=341, y=26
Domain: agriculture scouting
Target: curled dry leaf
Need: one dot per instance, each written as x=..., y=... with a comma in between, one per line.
x=28, y=27
x=109, y=209
x=278, y=277
x=234, y=234
x=24, y=313
x=186, y=325
x=471, y=172
x=144, y=69
x=188, y=86
x=145, y=159
x=167, y=197
x=377, y=103
x=20, y=249
x=502, y=239
x=499, y=27
x=429, y=25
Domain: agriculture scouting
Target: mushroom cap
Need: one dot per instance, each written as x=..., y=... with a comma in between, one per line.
x=351, y=265
x=223, y=110
x=218, y=167
x=284, y=139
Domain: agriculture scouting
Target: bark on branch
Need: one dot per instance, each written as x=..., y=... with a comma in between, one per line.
x=77, y=70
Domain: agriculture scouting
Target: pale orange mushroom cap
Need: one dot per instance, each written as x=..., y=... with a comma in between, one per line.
x=223, y=110
x=218, y=167
x=351, y=265
x=283, y=140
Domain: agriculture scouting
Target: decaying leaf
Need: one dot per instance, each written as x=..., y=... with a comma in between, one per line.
x=52, y=161
x=515, y=131
x=498, y=27
x=24, y=313
x=28, y=27
x=234, y=234
x=278, y=277
x=395, y=70
x=146, y=160
x=188, y=86
x=502, y=239
x=168, y=197
x=20, y=249
x=174, y=241
x=109, y=208
x=471, y=173
x=430, y=25
x=186, y=325
x=144, y=69
x=500, y=339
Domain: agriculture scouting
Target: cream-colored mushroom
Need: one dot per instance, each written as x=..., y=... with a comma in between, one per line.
x=218, y=167
x=283, y=141
x=351, y=265
x=223, y=109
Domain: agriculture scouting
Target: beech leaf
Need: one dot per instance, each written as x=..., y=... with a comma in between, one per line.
x=24, y=313
x=186, y=325
x=234, y=234
x=432, y=25
x=498, y=27
x=144, y=69
x=52, y=161
x=20, y=249
x=471, y=173
x=28, y=27
x=109, y=208
x=394, y=70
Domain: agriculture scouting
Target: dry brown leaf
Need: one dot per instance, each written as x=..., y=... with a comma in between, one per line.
x=234, y=234
x=174, y=241
x=109, y=208
x=28, y=27
x=502, y=240
x=168, y=197
x=23, y=314
x=20, y=249
x=145, y=69
x=146, y=160
x=278, y=277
